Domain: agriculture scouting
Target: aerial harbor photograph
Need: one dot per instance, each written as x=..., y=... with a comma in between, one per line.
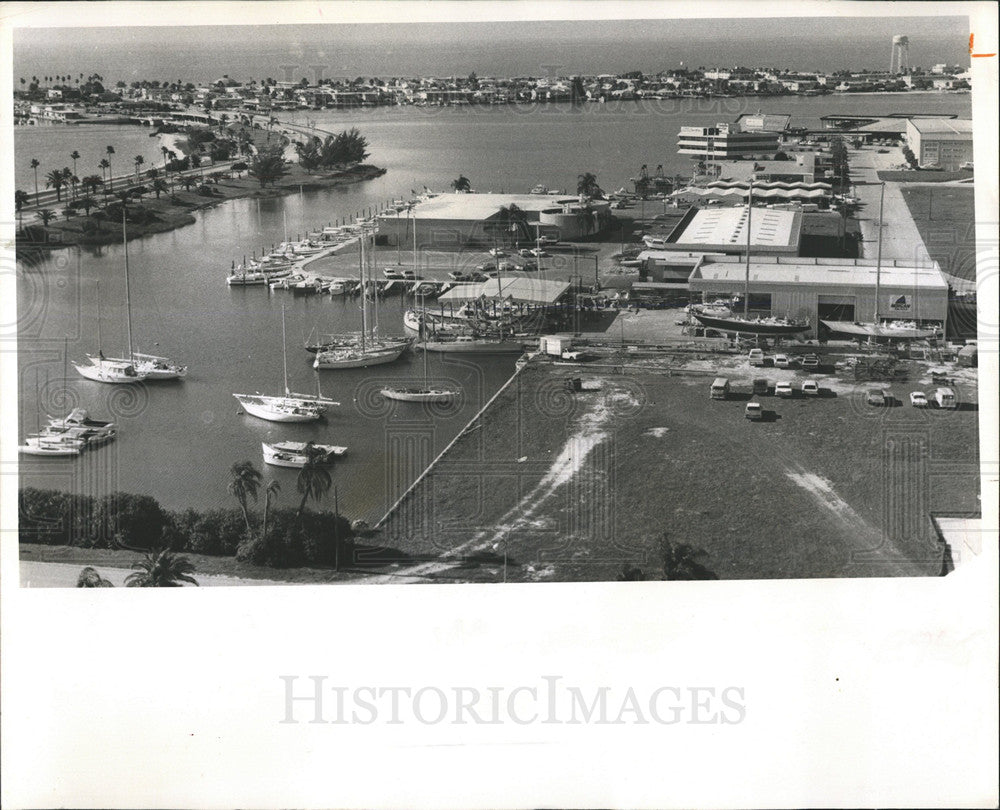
x=403, y=303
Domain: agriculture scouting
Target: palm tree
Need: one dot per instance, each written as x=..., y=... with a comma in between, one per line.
x=681, y=561
x=158, y=186
x=86, y=202
x=586, y=184
x=21, y=199
x=46, y=215
x=67, y=174
x=314, y=479
x=111, y=178
x=244, y=483
x=54, y=179
x=161, y=569
x=270, y=492
x=74, y=157
x=91, y=183
x=138, y=160
x=461, y=183
x=90, y=578
x=105, y=164
x=34, y=166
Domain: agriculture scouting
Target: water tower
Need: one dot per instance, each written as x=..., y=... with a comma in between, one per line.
x=900, y=57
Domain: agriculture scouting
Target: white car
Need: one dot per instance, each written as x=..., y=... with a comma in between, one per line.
x=524, y=252
x=782, y=361
x=756, y=357
x=458, y=275
x=538, y=252
x=389, y=273
x=497, y=252
x=918, y=399
x=784, y=389
x=810, y=388
x=754, y=412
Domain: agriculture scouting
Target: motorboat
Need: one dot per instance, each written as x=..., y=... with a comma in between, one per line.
x=286, y=282
x=40, y=446
x=256, y=278
x=297, y=454
x=655, y=242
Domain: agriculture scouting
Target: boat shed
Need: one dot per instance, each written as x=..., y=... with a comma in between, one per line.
x=517, y=289
x=832, y=289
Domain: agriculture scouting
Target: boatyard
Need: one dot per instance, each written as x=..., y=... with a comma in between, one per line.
x=497, y=384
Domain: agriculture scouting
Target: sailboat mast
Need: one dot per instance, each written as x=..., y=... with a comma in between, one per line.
x=878, y=259
x=284, y=354
x=128, y=297
x=414, y=241
x=746, y=288
x=364, y=288
x=100, y=341
x=372, y=272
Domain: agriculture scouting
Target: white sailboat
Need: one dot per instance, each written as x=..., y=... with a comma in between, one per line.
x=288, y=408
x=369, y=350
x=422, y=393
x=877, y=328
x=137, y=366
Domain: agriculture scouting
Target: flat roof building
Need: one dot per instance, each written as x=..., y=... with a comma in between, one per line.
x=725, y=141
x=942, y=142
x=456, y=220
x=831, y=289
x=726, y=230
x=518, y=289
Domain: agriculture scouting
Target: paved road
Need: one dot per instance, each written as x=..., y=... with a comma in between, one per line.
x=900, y=237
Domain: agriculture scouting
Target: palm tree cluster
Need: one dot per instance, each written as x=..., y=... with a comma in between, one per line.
x=347, y=148
x=461, y=184
x=586, y=185
x=161, y=568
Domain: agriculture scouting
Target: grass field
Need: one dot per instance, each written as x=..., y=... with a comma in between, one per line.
x=574, y=485
x=924, y=176
x=946, y=220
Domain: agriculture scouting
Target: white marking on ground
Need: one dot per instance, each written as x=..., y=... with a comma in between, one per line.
x=657, y=432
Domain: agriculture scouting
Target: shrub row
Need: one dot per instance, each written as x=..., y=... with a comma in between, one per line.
x=59, y=518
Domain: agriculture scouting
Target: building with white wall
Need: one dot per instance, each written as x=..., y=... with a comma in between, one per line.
x=943, y=142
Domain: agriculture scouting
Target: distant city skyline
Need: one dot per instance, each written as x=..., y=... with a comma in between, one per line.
x=204, y=53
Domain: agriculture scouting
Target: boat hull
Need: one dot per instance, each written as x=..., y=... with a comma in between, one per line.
x=872, y=330
x=355, y=359
x=112, y=375
x=749, y=327
x=439, y=396
x=294, y=454
x=264, y=408
x=46, y=450
x=473, y=346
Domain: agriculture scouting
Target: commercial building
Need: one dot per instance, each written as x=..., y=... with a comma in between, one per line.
x=516, y=289
x=943, y=142
x=456, y=220
x=725, y=142
x=768, y=231
x=832, y=289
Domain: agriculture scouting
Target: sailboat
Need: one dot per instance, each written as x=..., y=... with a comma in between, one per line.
x=713, y=318
x=893, y=329
x=368, y=349
x=424, y=393
x=137, y=366
x=290, y=407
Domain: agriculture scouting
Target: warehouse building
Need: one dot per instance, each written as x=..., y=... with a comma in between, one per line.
x=455, y=220
x=941, y=142
x=832, y=289
x=729, y=230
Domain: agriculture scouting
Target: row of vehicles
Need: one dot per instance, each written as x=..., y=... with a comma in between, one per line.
x=808, y=362
x=943, y=398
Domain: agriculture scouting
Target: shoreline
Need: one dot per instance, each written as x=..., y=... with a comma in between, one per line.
x=170, y=215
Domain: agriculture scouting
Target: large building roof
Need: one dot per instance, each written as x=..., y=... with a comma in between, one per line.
x=517, y=288
x=943, y=126
x=768, y=122
x=831, y=272
x=483, y=206
x=721, y=229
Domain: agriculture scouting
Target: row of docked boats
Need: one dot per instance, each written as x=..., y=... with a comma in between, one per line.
x=69, y=436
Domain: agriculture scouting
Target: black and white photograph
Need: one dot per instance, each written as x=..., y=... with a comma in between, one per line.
x=631, y=313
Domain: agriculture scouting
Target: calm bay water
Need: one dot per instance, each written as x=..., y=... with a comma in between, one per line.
x=178, y=440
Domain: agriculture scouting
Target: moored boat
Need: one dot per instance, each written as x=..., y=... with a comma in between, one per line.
x=297, y=454
x=469, y=344
x=898, y=330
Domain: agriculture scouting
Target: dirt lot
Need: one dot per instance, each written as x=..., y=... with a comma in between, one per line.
x=572, y=485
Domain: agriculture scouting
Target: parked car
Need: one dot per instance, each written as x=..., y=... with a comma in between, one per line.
x=753, y=411
x=756, y=357
x=945, y=398
x=548, y=240
x=784, y=389
x=720, y=388
x=524, y=252
x=761, y=386
x=458, y=275
x=879, y=397
x=918, y=399
x=810, y=362
x=538, y=252
x=478, y=276
x=529, y=266
x=389, y=273
x=782, y=361
x=810, y=388
x=409, y=275
x=497, y=252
